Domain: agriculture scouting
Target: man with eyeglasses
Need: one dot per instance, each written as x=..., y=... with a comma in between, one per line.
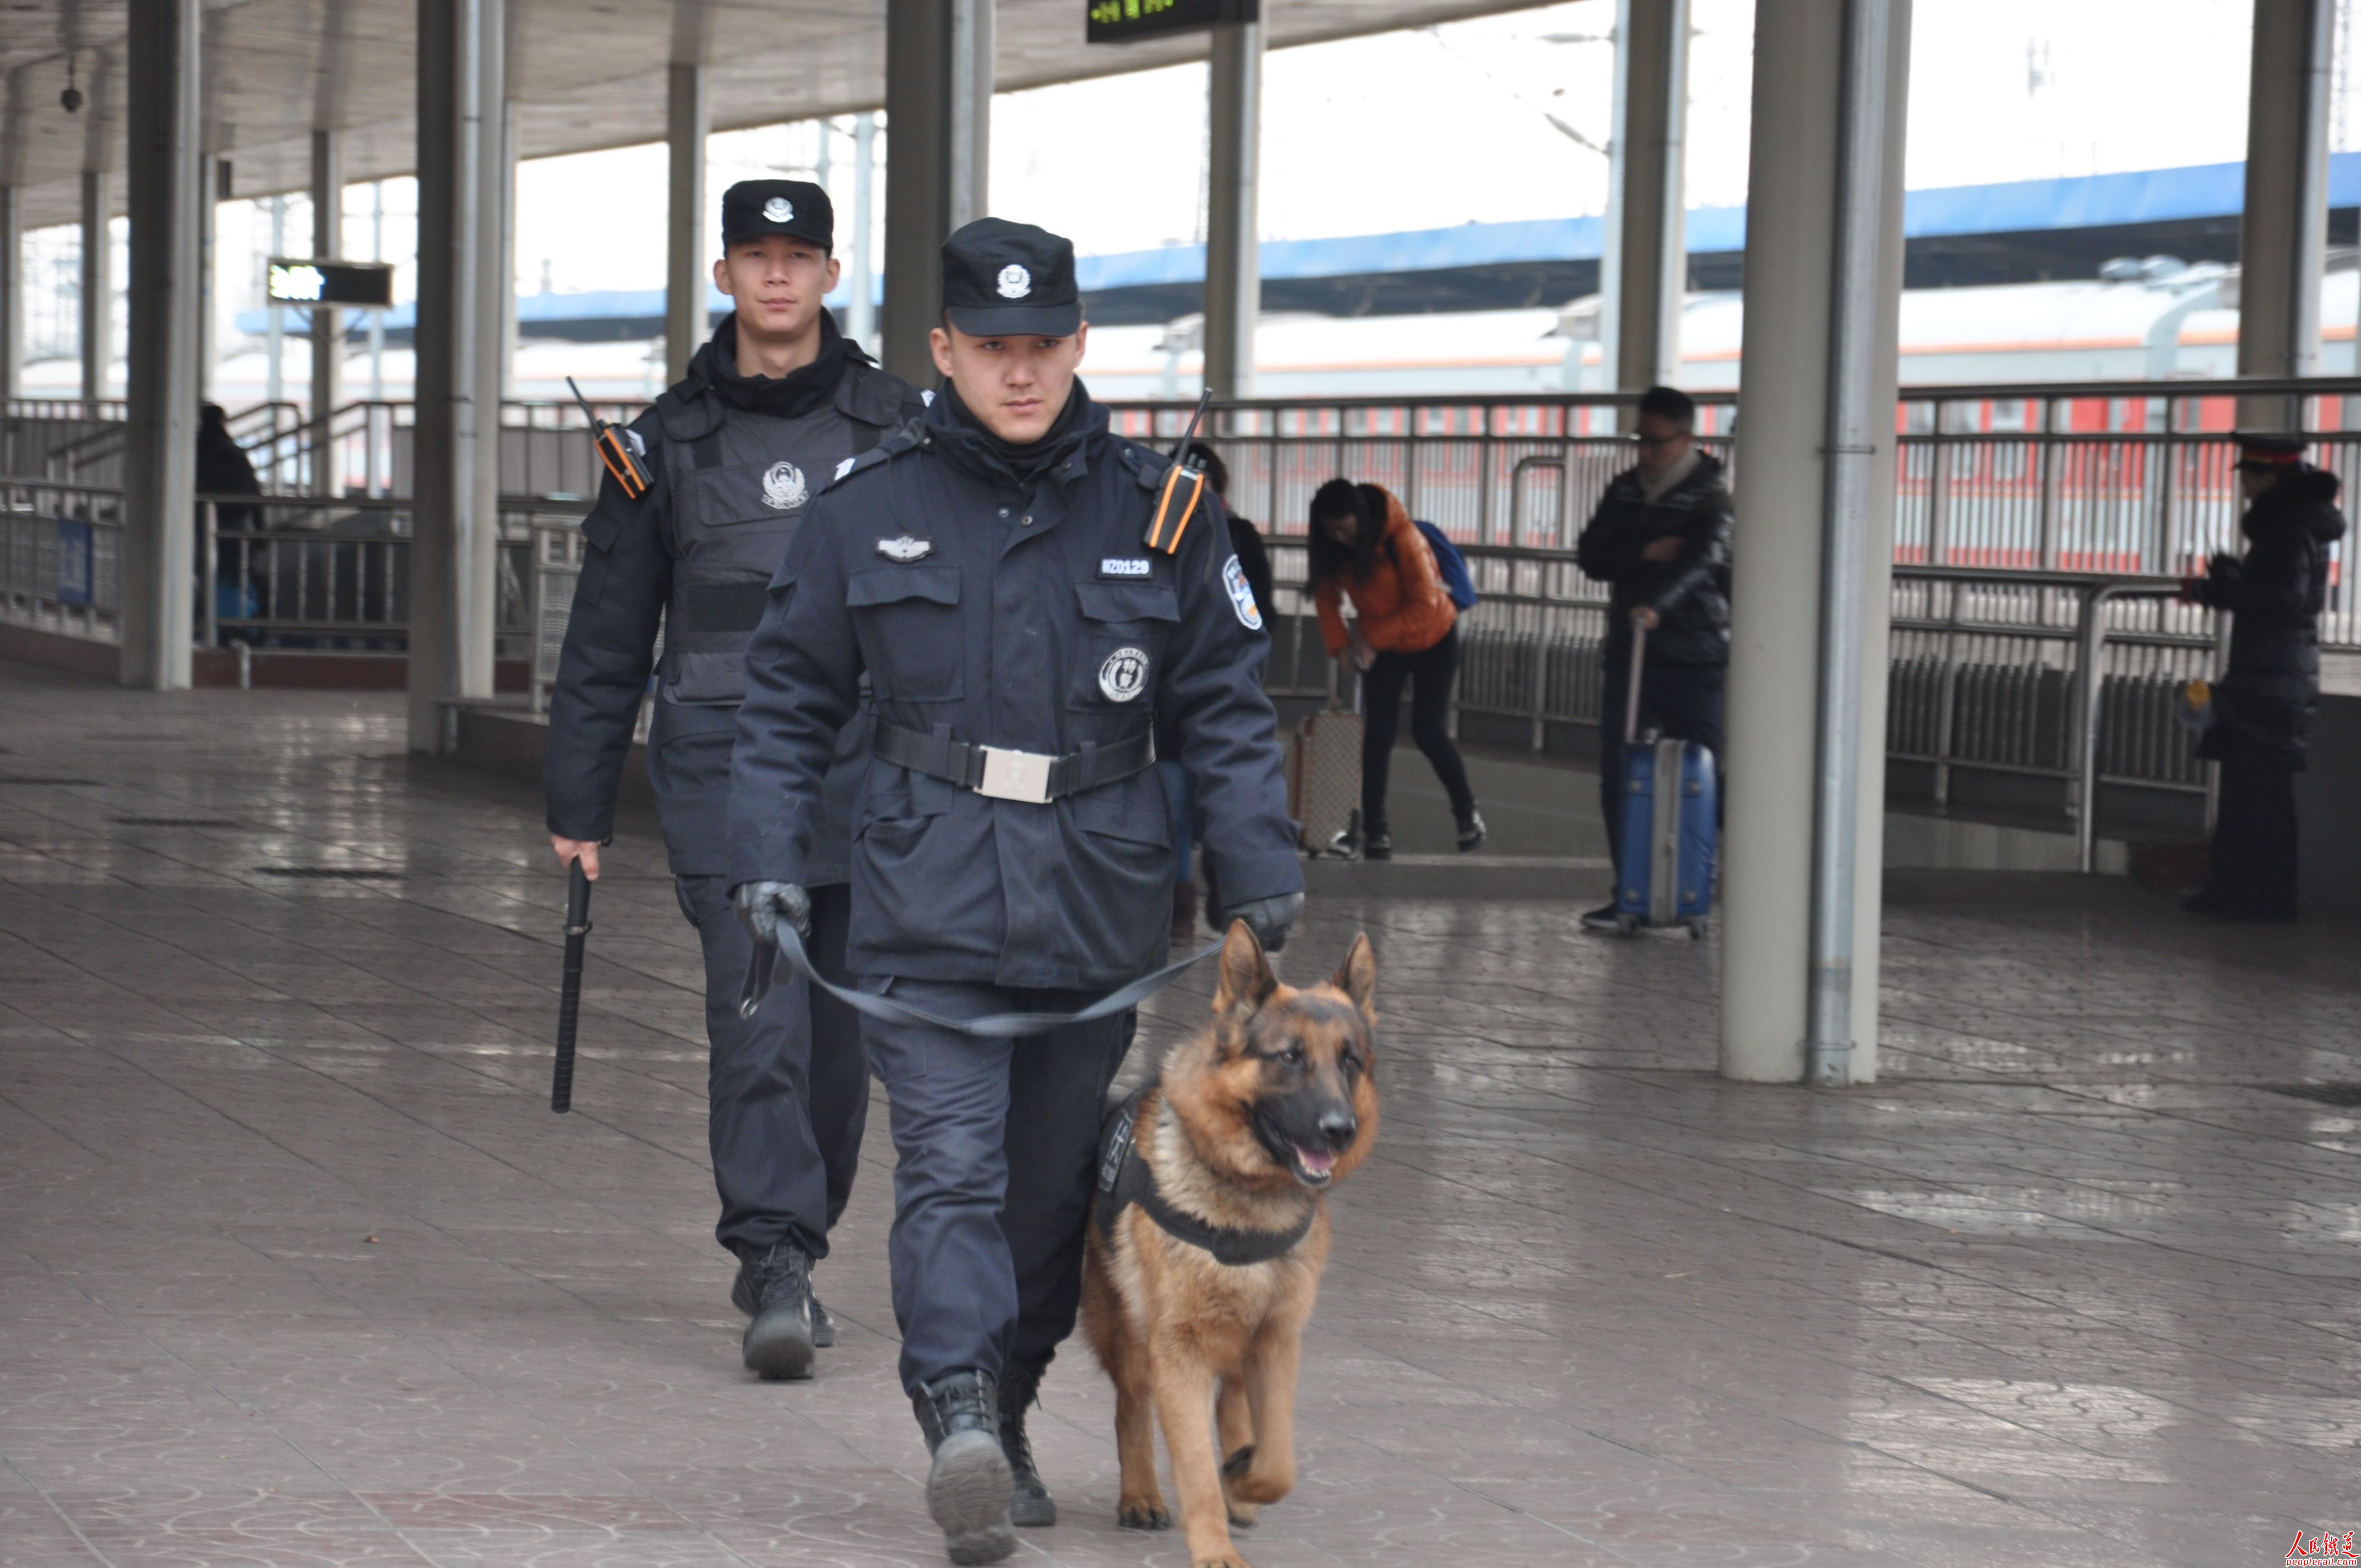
x=1660, y=540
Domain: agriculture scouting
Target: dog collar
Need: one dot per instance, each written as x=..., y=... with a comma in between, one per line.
x=1125, y=1180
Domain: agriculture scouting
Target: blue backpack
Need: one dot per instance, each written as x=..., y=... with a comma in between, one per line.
x=1452, y=565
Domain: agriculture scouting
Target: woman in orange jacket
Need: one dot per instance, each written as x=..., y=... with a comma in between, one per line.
x=1365, y=548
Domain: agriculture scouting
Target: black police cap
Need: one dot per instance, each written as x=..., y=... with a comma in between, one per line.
x=753, y=208
x=1003, y=280
x=2269, y=449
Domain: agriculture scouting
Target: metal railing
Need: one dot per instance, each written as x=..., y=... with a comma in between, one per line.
x=61, y=556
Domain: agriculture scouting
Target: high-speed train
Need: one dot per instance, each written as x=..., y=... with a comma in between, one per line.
x=2153, y=319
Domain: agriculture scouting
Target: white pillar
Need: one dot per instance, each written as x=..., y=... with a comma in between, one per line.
x=327, y=327
x=1650, y=228
x=861, y=319
x=687, y=220
x=448, y=127
x=495, y=288
x=97, y=285
x=160, y=477
x=1233, y=225
x=939, y=76
x=1827, y=149
x=2283, y=236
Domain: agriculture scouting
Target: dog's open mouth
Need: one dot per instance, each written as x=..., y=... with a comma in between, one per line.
x=1314, y=1168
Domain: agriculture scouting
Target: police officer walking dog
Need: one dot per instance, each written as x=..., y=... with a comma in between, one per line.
x=771, y=409
x=1025, y=592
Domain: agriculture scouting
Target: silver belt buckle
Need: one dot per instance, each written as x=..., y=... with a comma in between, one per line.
x=1015, y=775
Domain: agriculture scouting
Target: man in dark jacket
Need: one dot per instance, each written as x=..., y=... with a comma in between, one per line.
x=1660, y=539
x=2263, y=704
x=1023, y=603
x=773, y=406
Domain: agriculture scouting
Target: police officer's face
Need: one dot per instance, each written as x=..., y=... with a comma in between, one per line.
x=1662, y=443
x=776, y=281
x=1017, y=386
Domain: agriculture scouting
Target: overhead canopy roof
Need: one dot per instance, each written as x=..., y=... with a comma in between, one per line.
x=584, y=74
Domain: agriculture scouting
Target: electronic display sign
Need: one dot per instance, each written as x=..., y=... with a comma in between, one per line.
x=359, y=285
x=1120, y=21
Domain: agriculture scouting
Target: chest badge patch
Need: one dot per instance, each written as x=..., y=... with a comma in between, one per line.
x=1122, y=567
x=905, y=549
x=784, y=488
x=1242, y=600
x=1125, y=674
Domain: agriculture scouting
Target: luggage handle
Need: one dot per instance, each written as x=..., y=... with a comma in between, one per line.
x=1632, y=690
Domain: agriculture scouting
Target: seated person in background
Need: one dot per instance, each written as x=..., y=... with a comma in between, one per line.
x=1365, y=547
x=1660, y=539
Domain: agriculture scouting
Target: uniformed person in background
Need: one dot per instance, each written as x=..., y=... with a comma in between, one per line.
x=2262, y=706
x=989, y=570
x=771, y=409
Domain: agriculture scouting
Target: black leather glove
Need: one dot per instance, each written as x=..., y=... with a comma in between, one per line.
x=761, y=905
x=1269, y=918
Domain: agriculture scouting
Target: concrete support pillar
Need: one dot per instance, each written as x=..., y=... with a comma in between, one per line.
x=159, y=478
x=327, y=325
x=1815, y=420
x=2283, y=237
x=12, y=293
x=208, y=201
x=1233, y=215
x=687, y=220
x=97, y=284
x=480, y=542
x=449, y=130
x=939, y=116
x=1652, y=55
x=860, y=317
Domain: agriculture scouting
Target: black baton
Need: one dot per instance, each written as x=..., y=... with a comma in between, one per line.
x=569, y=994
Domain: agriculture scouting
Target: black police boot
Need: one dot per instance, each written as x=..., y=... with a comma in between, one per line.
x=1471, y=832
x=823, y=1326
x=968, y=1489
x=1377, y=845
x=1020, y=1385
x=775, y=1288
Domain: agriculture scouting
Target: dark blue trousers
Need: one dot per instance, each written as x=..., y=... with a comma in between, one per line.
x=998, y=1147
x=787, y=1090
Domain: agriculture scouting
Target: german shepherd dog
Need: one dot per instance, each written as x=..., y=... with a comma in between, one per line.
x=1249, y=1123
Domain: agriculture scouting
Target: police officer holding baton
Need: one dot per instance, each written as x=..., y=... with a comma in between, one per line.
x=1026, y=593
x=771, y=408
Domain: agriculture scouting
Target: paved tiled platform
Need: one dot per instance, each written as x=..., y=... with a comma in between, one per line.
x=297, y=1268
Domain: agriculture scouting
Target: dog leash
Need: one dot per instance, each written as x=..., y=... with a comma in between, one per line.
x=996, y=1026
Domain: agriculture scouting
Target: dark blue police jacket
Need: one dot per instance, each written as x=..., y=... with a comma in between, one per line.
x=1026, y=615
x=696, y=553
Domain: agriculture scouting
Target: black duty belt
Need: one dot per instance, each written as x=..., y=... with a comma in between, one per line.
x=1003, y=774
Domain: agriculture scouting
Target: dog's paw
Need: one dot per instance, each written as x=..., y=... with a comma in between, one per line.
x=1227, y=1560
x=1244, y=1515
x=1143, y=1513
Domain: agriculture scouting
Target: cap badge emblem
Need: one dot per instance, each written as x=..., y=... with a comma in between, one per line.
x=1015, y=283
x=905, y=549
x=784, y=488
x=779, y=210
x=1125, y=674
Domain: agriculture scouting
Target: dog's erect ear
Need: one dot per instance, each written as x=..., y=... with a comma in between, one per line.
x=1246, y=979
x=1356, y=977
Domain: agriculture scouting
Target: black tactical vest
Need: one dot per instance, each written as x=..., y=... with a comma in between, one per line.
x=740, y=483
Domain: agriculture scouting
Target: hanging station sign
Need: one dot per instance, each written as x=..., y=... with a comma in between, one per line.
x=1121, y=21
x=355, y=285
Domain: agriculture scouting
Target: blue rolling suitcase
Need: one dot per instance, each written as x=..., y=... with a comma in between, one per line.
x=1671, y=827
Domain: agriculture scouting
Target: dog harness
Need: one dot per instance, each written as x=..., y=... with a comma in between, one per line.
x=1125, y=1180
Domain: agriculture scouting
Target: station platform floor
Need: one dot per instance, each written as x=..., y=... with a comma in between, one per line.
x=296, y=1267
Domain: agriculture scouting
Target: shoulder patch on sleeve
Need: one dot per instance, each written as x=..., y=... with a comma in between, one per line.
x=1242, y=600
